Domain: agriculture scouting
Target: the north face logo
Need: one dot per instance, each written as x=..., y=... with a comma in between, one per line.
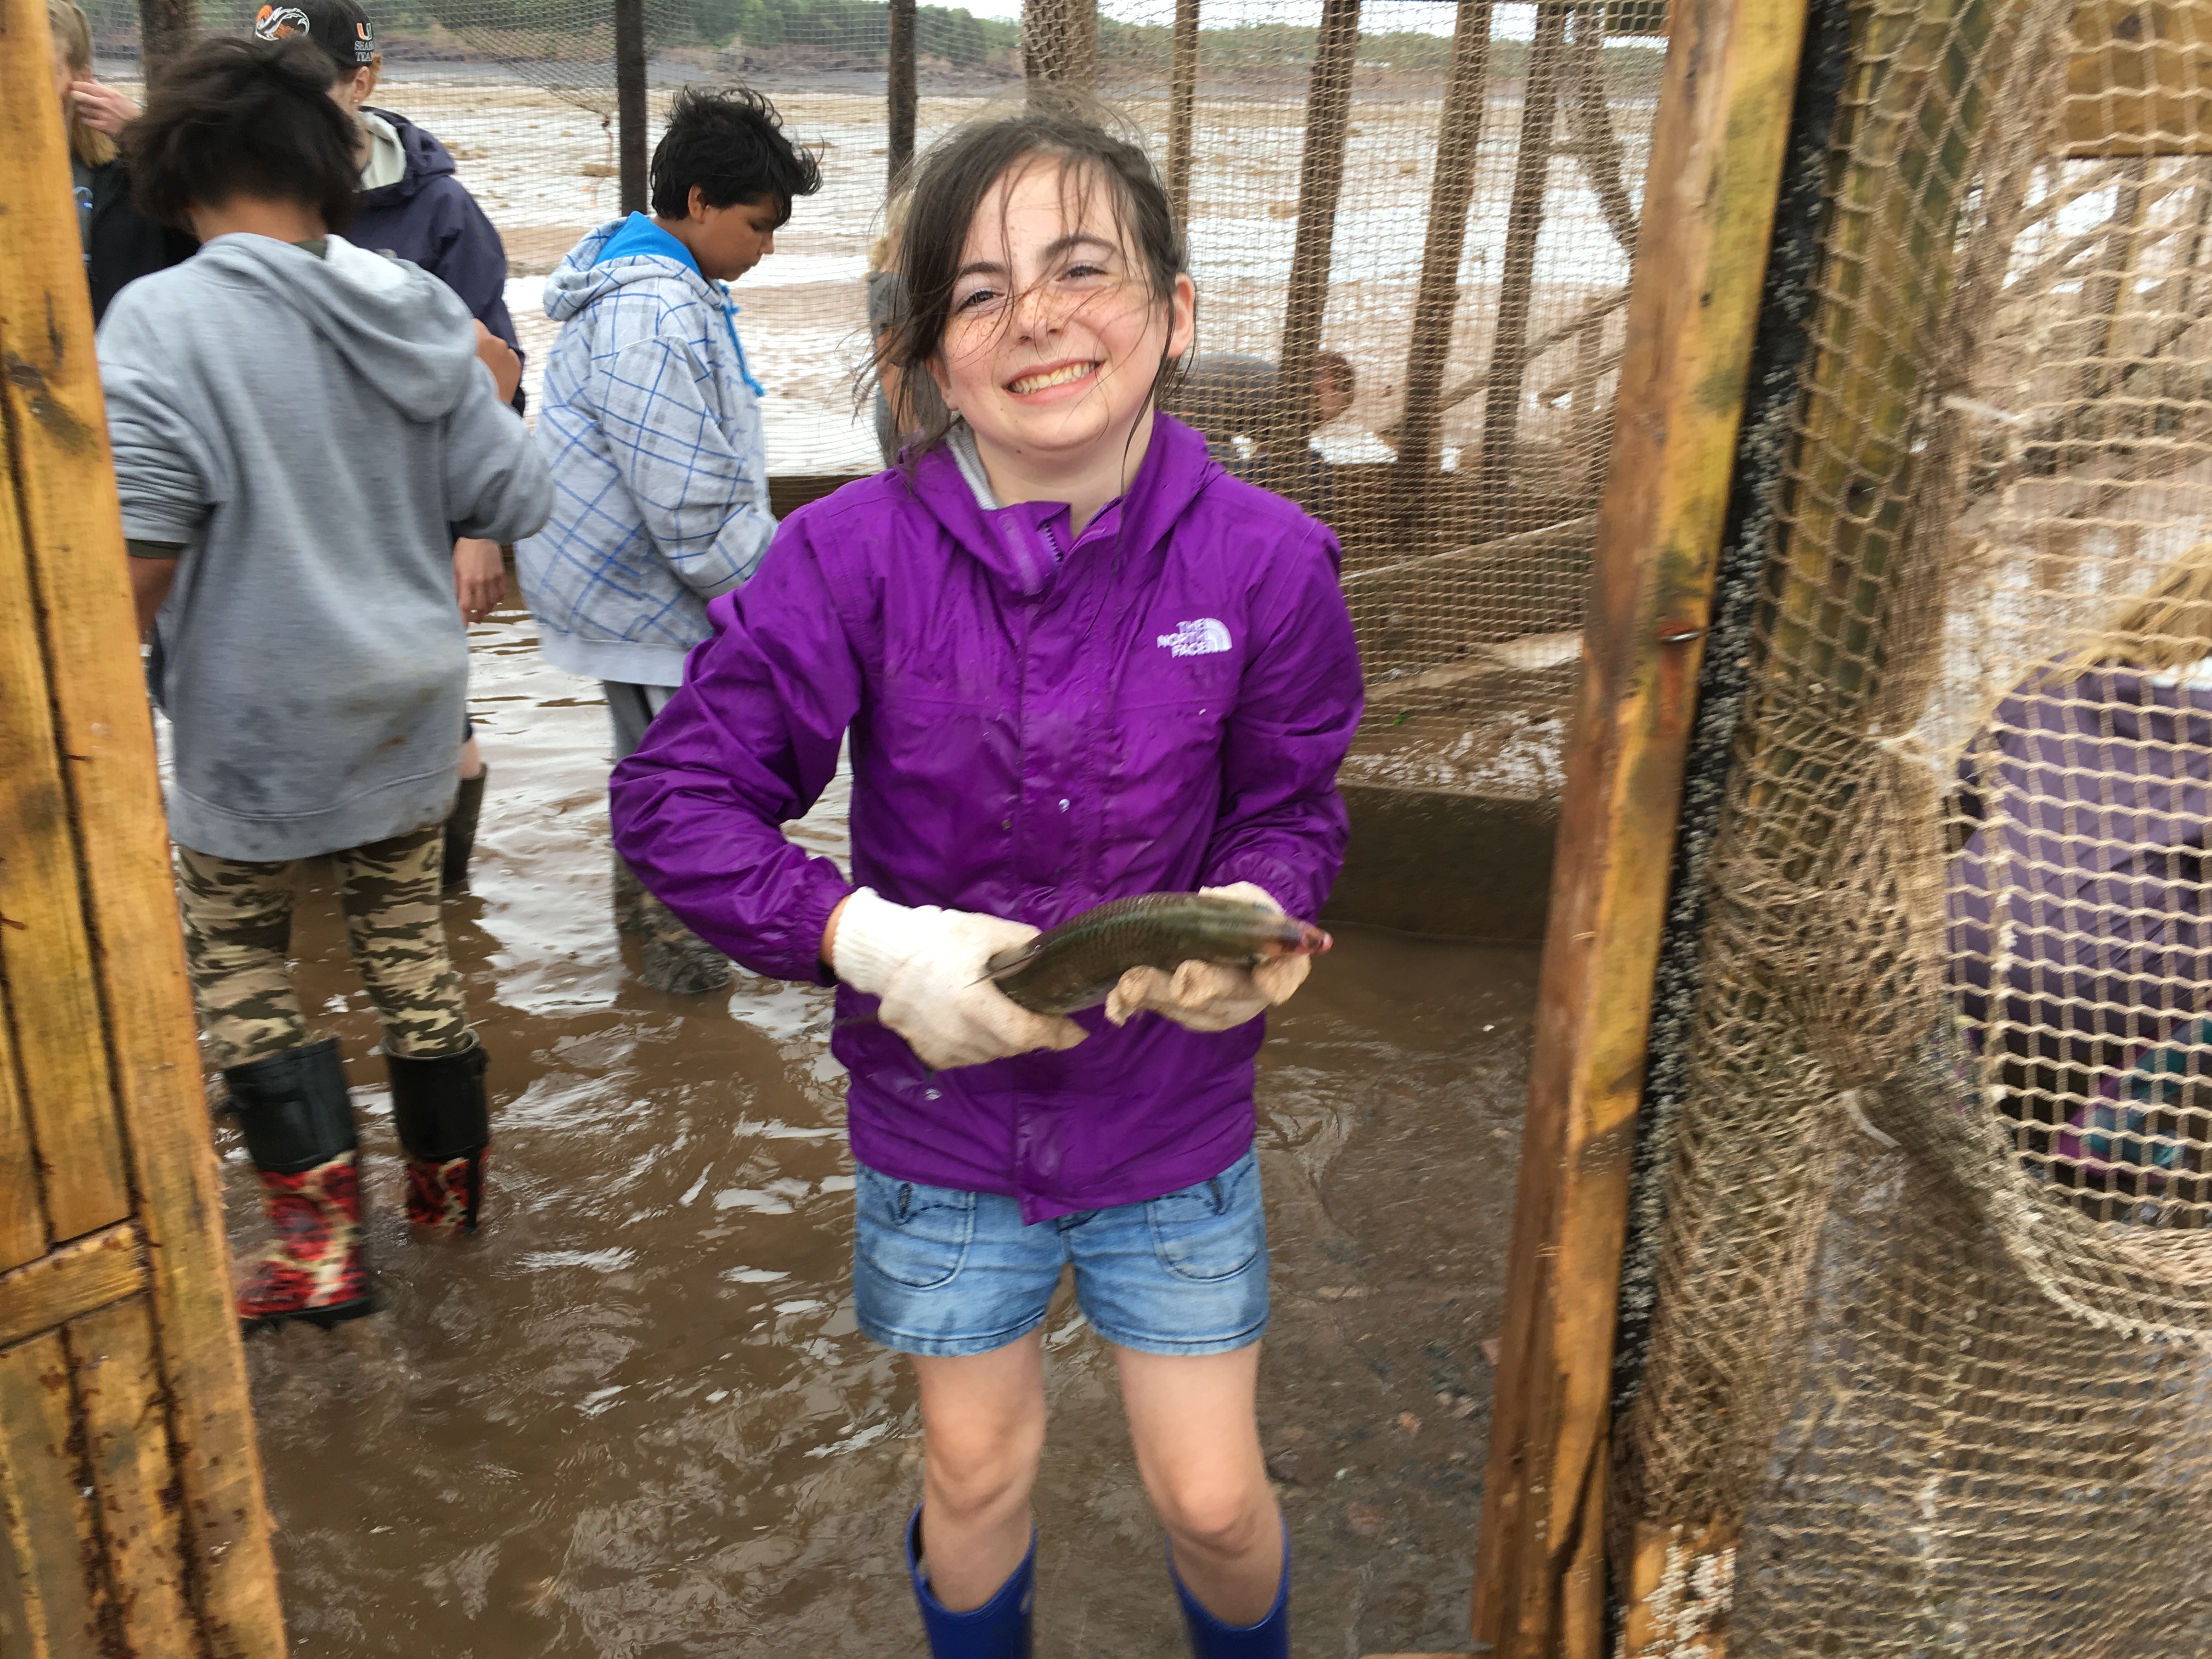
x=1202, y=638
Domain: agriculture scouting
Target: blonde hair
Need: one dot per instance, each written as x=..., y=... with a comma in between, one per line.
x=73, y=41
x=2169, y=626
x=883, y=250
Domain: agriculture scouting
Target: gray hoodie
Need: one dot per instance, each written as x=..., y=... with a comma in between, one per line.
x=315, y=432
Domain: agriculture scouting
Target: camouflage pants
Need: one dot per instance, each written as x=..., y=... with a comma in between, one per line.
x=237, y=940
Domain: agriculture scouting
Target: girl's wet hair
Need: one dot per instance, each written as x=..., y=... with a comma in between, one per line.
x=954, y=179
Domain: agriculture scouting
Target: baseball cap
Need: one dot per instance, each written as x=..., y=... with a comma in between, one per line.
x=340, y=28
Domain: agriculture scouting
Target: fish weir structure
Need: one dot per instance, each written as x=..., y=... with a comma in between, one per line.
x=1778, y=450
x=1429, y=204
x=1912, y=1339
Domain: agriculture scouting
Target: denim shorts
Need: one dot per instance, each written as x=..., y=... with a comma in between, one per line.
x=942, y=1271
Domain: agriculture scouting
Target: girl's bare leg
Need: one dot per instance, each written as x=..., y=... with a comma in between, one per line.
x=1197, y=1436
x=982, y=1431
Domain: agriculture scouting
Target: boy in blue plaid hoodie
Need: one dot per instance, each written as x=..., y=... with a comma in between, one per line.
x=650, y=423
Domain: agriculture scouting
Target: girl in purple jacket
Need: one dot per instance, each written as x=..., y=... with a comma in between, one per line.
x=1075, y=661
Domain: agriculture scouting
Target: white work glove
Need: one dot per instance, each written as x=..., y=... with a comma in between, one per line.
x=926, y=964
x=1211, y=996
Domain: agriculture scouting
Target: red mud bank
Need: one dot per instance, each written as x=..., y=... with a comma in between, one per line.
x=634, y=1416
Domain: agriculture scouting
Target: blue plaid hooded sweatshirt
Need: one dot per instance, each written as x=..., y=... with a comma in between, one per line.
x=651, y=425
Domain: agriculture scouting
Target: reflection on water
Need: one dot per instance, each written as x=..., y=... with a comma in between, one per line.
x=634, y=1418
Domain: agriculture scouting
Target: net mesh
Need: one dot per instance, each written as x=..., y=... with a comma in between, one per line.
x=1329, y=164
x=1927, y=1370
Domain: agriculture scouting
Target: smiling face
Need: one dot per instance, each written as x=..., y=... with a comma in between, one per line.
x=1055, y=338
x=729, y=241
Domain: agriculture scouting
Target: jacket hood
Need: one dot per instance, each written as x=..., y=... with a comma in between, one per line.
x=619, y=254
x=407, y=333
x=427, y=159
x=1023, y=544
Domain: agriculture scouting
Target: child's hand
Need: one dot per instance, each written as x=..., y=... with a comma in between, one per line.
x=496, y=354
x=1211, y=996
x=479, y=577
x=926, y=965
x=102, y=107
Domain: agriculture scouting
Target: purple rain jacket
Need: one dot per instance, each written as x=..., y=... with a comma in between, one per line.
x=1035, y=728
x=2085, y=879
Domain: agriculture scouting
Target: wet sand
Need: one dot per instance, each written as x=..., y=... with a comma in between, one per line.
x=633, y=1418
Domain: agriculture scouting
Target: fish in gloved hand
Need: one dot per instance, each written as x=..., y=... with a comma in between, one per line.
x=1208, y=960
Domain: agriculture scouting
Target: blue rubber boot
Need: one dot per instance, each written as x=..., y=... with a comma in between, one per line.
x=1000, y=1628
x=1212, y=1639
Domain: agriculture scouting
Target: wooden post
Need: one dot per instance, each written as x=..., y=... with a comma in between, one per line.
x=631, y=110
x=1516, y=272
x=166, y=28
x=1844, y=522
x=1436, y=301
x=1182, y=108
x=1716, y=155
x=1596, y=145
x=1321, y=181
x=130, y=1485
x=1059, y=42
x=900, y=93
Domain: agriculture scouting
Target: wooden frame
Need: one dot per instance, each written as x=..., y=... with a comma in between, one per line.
x=1517, y=268
x=1321, y=183
x=1717, y=159
x=130, y=1498
x=632, y=110
x=899, y=93
x=1436, y=301
x=1182, y=108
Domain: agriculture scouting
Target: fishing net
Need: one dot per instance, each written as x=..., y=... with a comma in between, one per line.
x=1427, y=209
x=1925, y=1267
x=1432, y=210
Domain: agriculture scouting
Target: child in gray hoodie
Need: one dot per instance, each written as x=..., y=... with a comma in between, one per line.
x=300, y=429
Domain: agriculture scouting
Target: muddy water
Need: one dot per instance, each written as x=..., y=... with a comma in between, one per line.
x=633, y=1420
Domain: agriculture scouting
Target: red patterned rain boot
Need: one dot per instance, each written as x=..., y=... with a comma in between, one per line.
x=298, y=1124
x=439, y=1107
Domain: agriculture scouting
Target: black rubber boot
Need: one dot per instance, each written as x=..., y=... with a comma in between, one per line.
x=298, y=1124
x=674, y=958
x=439, y=1107
x=461, y=828
x=630, y=902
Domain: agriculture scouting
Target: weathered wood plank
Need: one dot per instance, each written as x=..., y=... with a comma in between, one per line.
x=1182, y=108
x=1680, y=1586
x=58, y=434
x=127, y=1452
x=53, y=1536
x=1436, y=300
x=46, y=958
x=22, y=1206
x=1716, y=155
x=86, y=1274
x=21, y=1632
x=1321, y=184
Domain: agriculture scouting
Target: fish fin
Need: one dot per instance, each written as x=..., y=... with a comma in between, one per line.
x=1006, y=964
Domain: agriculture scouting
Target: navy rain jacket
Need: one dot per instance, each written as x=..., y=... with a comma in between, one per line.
x=429, y=219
